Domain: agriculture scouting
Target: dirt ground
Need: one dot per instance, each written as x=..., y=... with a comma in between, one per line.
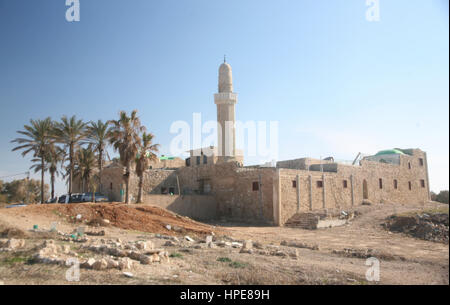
x=320, y=260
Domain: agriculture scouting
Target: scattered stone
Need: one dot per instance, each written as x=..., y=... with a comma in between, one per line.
x=100, y=265
x=294, y=254
x=12, y=243
x=236, y=245
x=128, y=274
x=96, y=233
x=223, y=244
x=280, y=253
x=112, y=264
x=258, y=245
x=247, y=247
x=88, y=264
x=169, y=243
x=125, y=263
x=177, y=229
x=188, y=238
x=156, y=258
x=300, y=245
x=169, y=227
x=145, y=245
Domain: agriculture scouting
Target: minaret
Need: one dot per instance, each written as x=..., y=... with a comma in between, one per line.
x=226, y=100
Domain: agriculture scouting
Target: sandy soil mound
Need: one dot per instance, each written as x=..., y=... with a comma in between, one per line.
x=131, y=217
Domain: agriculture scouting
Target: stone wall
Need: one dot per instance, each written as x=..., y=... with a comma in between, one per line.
x=274, y=195
x=194, y=206
x=345, y=188
x=232, y=186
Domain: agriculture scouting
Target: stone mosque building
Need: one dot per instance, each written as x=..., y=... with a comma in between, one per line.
x=214, y=184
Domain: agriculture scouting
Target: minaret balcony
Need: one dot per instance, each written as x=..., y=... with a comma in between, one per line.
x=225, y=98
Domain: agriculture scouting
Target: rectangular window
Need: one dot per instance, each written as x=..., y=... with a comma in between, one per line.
x=345, y=184
x=422, y=183
x=188, y=162
x=409, y=165
x=395, y=184
x=294, y=183
x=255, y=186
x=198, y=160
x=205, y=159
x=319, y=184
x=421, y=162
x=410, y=185
x=380, y=182
x=164, y=190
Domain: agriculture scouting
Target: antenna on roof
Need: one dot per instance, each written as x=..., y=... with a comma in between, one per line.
x=224, y=59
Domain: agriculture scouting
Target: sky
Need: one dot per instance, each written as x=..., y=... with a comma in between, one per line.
x=336, y=83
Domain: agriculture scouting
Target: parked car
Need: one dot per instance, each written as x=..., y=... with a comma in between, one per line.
x=19, y=205
x=52, y=200
x=63, y=199
x=76, y=198
x=87, y=197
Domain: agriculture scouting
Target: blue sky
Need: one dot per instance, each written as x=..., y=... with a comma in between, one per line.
x=337, y=84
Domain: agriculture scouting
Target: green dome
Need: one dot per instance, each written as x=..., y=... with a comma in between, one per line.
x=390, y=152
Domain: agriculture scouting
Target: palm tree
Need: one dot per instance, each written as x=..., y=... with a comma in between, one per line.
x=97, y=138
x=38, y=140
x=53, y=158
x=146, y=154
x=70, y=132
x=85, y=162
x=125, y=139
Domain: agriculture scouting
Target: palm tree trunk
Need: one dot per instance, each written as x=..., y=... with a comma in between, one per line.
x=127, y=185
x=71, y=168
x=141, y=182
x=42, y=178
x=100, y=167
x=53, y=184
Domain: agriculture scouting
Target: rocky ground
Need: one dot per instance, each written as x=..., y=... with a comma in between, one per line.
x=117, y=244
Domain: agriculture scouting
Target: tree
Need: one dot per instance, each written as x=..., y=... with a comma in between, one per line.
x=442, y=197
x=97, y=137
x=53, y=159
x=85, y=162
x=70, y=132
x=146, y=154
x=38, y=140
x=22, y=191
x=125, y=139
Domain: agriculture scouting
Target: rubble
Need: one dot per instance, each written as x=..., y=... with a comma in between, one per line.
x=434, y=227
x=236, y=245
x=11, y=244
x=189, y=239
x=101, y=264
x=96, y=233
x=247, y=247
x=300, y=245
x=169, y=243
